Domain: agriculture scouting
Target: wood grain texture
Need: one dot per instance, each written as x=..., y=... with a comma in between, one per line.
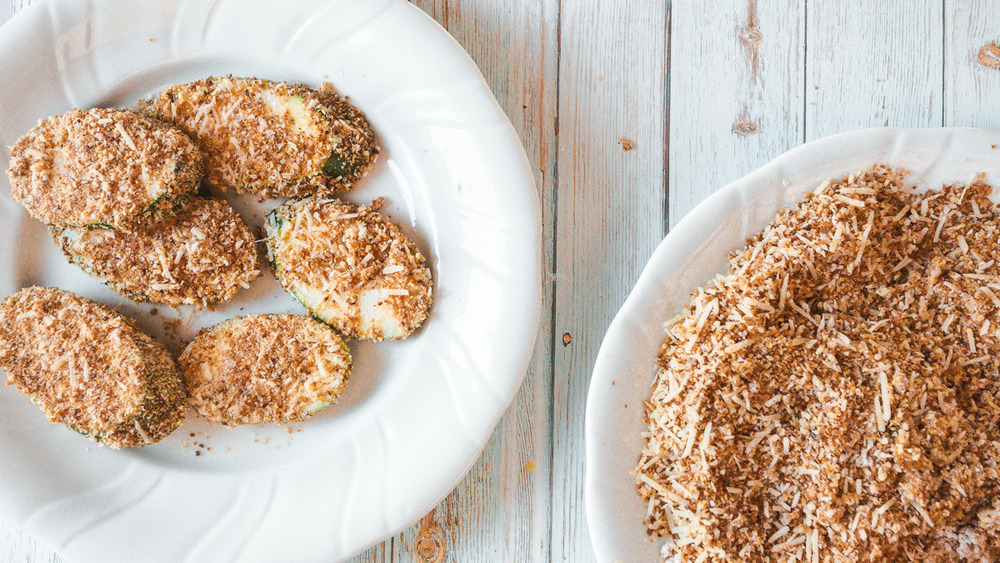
x=609, y=215
x=17, y=547
x=873, y=63
x=736, y=91
x=971, y=89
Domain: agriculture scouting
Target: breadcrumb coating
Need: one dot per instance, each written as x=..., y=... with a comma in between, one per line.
x=90, y=368
x=350, y=267
x=104, y=168
x=265, y=368
x=271, y=139
x=835, y=396
x=202, y=256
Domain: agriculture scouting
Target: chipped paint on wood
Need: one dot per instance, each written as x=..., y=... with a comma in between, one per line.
x=989, y=55
x=750, y=38
x=743, y=125
x=736, y=92
x=431, y=544
x=971, y=89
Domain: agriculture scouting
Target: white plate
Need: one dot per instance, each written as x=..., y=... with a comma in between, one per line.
x=416, y=413
x=691, y=254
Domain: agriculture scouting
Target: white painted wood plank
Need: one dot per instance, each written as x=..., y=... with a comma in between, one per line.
x=610, y=212
x=6, y=10
x=971, y=87
x=873, y=63
x=500, y=511
x=736, y=92
x=18, y=5
x=17, y=547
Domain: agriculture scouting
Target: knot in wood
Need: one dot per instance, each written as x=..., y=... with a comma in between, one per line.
x=989, y=55
x=751, y=36
x=744, y=127
x=430, y=543
x=429, y=550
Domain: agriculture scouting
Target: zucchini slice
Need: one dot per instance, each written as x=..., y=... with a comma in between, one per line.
x=349, y=266
x=90, y=368
x=265, y=368
x=202, y=256
x=104, y=168
x=271, y=139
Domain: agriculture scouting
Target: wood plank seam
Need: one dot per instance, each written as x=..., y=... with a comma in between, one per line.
x=551, y=276
x=805, y=71
x=667, y=62
x=944, y=62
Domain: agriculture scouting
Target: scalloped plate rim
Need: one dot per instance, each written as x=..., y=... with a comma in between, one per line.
x=508, y=373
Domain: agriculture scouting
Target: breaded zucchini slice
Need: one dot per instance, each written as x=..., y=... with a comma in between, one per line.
x=350, y=267
x=203, y=255
x=90, y=368
x=104, y=168
x=265, y=368
x=271, y=139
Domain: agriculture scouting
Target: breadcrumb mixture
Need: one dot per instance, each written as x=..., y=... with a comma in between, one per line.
x=272, y=139
x=90, y=368
x=835, y=396
x=265, y=368
x=349, y=252
x=103, y=167
x=202, y=256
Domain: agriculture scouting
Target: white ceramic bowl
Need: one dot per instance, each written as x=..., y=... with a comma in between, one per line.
x=691, y=254
x=416, y=413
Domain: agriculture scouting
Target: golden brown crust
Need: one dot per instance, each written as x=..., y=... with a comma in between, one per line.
x=90, y=368
x=347, y=252
x=265, y=368
x=202, y=256
x=255, y=149
x=837, y=393
x=103, y=167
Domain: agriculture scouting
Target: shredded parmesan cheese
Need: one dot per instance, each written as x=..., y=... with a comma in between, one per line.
x=843, y=381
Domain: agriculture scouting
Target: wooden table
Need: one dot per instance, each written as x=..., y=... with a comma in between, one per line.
x=631, y=112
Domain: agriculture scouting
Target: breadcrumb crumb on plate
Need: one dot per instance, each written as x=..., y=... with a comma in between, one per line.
x=271, y=139
x=265, y=368
x=105, y=168
x=202, y=256
x=90, y=368
x=351, y=267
